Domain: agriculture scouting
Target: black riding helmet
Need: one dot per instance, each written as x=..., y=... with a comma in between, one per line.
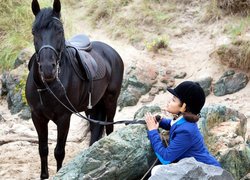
x=190, y=93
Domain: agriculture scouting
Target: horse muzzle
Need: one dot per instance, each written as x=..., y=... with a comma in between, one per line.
x=48, y=74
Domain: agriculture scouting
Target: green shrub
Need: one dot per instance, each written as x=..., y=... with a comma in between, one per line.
x=157, y=44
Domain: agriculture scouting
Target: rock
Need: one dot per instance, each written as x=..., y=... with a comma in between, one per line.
x=181, y=75
x=140, y=113
x=224, y=131
x=229, y=83
x=189, y=168
x=124, y=154
x=168, y=80
x=23, y=57
x=13, y=86
x=129, y=97
x=25, y=113
x=247, y=177
x=206, y=83
x=148, y=99
x=136, y=83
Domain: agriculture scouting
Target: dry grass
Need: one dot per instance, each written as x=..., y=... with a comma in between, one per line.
x=216, y=9
x=15, y=28
x=241, y=7
x=212, y=12
x=236, y=55
x=131, y=20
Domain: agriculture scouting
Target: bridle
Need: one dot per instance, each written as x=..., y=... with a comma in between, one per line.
x=58, y=55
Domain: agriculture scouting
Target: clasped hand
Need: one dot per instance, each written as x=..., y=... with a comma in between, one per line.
x=151, y=122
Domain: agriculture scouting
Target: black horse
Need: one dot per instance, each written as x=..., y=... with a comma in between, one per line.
x=57, y=68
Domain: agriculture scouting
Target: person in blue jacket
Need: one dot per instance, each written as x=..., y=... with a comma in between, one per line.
x=185, y=139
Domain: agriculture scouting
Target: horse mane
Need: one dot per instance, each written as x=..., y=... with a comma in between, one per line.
x=44, y=19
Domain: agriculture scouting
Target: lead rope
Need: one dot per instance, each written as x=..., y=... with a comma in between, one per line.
x=151, y=167
x=156, y=160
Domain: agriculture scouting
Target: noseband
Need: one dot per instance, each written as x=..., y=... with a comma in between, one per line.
x=58, y=55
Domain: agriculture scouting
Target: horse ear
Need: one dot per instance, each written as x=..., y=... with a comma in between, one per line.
x=35, y=7
x=57, y=6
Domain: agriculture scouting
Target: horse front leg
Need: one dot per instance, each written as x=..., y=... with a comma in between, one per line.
x=62, y=133
x=41, y=125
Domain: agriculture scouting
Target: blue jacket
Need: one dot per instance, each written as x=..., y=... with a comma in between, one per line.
x=185, y=140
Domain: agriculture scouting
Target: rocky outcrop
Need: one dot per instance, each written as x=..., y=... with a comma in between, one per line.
x=13, y=85
x=124, y=154
x=136, y=83
x=224, y=131
x=118, y=155
x=142, y=79
x=189, y=168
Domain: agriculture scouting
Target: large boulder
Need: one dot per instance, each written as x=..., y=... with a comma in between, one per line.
x=224, y=131
x=124, y=154
x=189, y=168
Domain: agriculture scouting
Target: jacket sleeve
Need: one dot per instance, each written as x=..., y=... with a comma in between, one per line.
x=178, y=145
x=165, y=123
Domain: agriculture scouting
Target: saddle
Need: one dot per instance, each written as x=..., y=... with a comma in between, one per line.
x=80, y=47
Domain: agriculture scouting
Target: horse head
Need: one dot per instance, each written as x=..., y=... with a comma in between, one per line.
x=49, y=40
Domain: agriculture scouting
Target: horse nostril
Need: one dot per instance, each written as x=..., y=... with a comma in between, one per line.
x=53, y=65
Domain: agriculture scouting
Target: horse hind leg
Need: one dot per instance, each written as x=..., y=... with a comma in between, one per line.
x=62, y=133
x=41, y=126
x=96, y=130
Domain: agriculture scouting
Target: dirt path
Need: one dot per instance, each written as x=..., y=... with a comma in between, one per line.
x=190, y=53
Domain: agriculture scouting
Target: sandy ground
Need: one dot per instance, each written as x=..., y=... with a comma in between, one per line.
x=19, y=158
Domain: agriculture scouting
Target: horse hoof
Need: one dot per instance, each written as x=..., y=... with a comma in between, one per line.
x=44, y=176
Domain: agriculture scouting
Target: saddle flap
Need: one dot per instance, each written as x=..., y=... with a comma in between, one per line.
x=89, y=64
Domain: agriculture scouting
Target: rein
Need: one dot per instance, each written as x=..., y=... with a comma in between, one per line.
x=74, y=111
